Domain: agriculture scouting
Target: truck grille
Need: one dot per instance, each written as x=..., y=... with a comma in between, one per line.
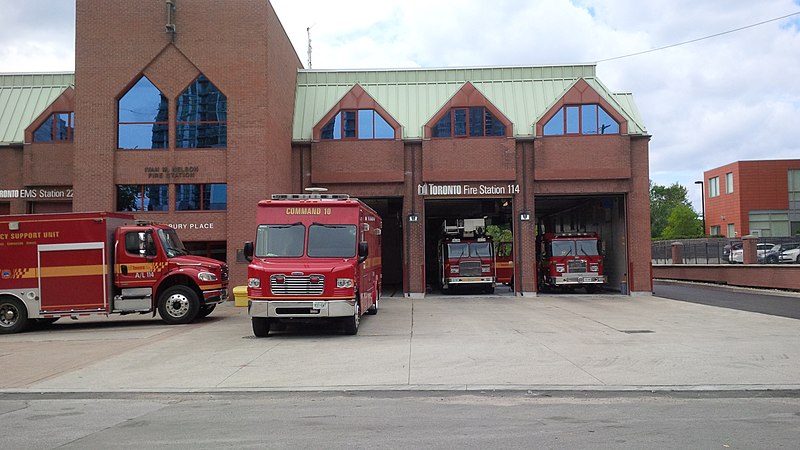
x=469, y=269
x=576, y=265
x=297, y=284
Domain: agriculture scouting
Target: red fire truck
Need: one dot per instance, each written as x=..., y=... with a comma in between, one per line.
x=466, y=256
x=570, y=259
x=504, y=265
x=83, y=264
x=315, y=256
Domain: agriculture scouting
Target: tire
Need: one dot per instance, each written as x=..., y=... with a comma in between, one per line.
x=178, y=305
x=772, y=259
x=351, y=323
x=260, y=326
x=205, y=310
x=13, y=315
x=798, y=259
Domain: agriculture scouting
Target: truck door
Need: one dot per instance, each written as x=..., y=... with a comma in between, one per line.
x=137, y=264
x=505, y=263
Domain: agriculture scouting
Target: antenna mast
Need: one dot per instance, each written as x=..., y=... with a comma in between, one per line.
x=308, y=30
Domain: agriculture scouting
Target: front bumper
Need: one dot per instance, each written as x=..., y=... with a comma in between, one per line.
x=215, y=296
x=301, y=308
x=469, y=280
x=578, y=278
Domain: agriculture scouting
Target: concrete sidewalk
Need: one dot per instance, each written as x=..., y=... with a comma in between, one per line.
x=567, y=342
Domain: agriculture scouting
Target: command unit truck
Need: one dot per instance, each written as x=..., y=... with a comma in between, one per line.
x=466, y=256
x=90, y=264
x=568, y=260
x=315, y=256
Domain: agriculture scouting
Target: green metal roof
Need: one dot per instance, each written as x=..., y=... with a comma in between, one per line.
x=412, y=97
x=23, y=97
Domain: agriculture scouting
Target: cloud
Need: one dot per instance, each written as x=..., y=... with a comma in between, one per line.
x=37, y=36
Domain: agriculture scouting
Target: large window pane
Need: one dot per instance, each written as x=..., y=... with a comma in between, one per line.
x=555, y=126
x=589, y=119
x=215, y=197
x=142, y=113
x=187, y=197
x=443, y=126
x=572, y=119
x=349, y=124
x=365, y=124
x=607, y=124
x=202, y=115
x=156, y=197
x=476, y=122
x=459, y=122
x=137, y=197
x=45, y=131
x=382, y=128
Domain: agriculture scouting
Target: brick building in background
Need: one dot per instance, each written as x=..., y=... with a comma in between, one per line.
x=753, y=197
x=195, y=125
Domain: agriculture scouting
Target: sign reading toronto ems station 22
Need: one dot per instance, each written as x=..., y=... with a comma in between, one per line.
x=466, y=190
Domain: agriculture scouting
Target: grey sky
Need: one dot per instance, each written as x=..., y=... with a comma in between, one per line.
x=709, y=103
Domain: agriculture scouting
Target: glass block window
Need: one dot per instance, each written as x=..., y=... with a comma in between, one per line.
x=142, y=197
x=201, y=197
x=468, y=122
x=581, y=119
x=357, y=124
x=202, y=116
x=59, y=127
x=143, y=116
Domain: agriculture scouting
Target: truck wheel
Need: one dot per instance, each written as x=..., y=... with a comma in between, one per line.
x=351, y=323
x=260, y=326
x=178, y=305
x=13, y=315
x=205, y=310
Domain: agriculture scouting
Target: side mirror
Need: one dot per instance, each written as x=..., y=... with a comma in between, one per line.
x=248, y=251
x=363, y=251
x=150, y=244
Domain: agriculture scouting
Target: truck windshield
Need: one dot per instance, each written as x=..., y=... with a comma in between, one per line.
x=563, y=248
x=480, y=249
x=587, y=247
x=280, y=241
x=460, y=250
x=173, y=246
x=331, y=241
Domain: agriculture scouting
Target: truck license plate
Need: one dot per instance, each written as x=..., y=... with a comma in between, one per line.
x=318, y=305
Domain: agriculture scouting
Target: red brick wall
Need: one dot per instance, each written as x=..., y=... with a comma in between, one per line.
x=478, y=159
x=378, y=161
x=243, y=50
x=11, y=176
x=583, y=157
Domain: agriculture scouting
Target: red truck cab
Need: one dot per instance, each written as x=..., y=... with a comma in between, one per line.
x=85, y=264
x=569, y=260
x=466, y=256
x=315, y=256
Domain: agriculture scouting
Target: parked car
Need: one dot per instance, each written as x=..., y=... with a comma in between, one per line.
x=737, y=256
x=772, y=256
x=790, y=255
x=726, y=251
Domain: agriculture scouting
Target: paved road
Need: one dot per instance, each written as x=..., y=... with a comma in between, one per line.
x=390, y=420
x=753, y=300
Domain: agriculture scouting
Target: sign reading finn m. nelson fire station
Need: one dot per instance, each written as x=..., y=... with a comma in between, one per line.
x=466, y=189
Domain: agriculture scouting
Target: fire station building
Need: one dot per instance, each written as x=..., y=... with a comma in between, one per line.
x=194, y=125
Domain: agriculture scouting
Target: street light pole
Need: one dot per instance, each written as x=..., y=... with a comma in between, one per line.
x=702, y=203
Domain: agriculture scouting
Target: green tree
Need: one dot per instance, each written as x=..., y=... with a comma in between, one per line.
x=499, y=234
x=682, y=223
x=663, y=199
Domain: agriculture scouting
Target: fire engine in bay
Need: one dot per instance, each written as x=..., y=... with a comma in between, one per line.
x=568, y=260
x=466, y=256
x=90, y=264
x=315, y=256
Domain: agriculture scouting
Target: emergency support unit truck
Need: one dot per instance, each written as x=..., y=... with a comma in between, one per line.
x=84, y=264
x=570, y=259
x=315, y=256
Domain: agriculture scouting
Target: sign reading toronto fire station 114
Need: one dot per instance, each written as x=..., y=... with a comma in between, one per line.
x=466, y=190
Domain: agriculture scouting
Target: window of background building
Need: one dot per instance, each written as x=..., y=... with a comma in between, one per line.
x=581, y=119
x=714, y=231
x=209, y=249
x=201, y=197
x=59, y=127
x=142, y=197
x=794, y=189
x=202, y=117
x=143, y=117
x=713, y=187
x=769, y=223
x=357, y=124
x=468, y=122
x=731, y=230
x=729, y=183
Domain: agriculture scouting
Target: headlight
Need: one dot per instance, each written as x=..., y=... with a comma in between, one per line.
x=453, y=269
x=207, y=276
x=560, y=269
x=254, y=282
x=594, y=268
x=344, y=282
x=485, y=269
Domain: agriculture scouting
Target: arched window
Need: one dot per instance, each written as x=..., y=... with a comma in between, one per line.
x=357, y=124
x=476, y=121
x=59, y=127
x=581, y=119
x=202, y=119
x=143, y=116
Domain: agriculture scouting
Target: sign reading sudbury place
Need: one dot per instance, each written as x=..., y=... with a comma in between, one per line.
x=466, y=190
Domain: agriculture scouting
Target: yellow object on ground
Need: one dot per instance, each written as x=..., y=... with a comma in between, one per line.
x=240, y=295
